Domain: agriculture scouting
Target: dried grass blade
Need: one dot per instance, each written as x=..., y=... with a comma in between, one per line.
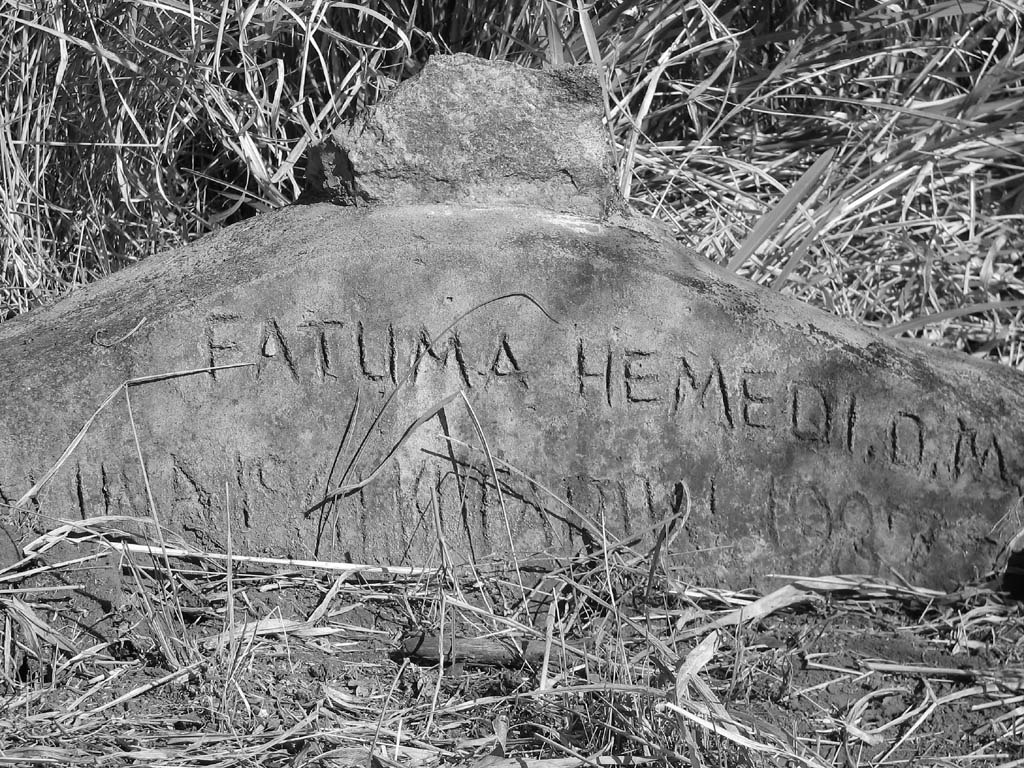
x=136, y=692
x=785, y=207
x=698, y=658
x=949, y=314
x=36, y=627
x=730, y=730
x=593, y=47
x=32, y=492
x=95, y=48
x=344, y=490
x=478, y=428
x=783, y=597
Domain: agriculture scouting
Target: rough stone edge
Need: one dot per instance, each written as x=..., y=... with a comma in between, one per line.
x=476, y=132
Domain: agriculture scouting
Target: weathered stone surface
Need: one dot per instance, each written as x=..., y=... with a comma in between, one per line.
x=657, y=387
x=475, y=132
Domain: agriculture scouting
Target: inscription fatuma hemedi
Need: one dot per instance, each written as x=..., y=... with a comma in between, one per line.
x=652, y=391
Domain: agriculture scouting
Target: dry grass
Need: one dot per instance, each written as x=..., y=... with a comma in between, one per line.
x=608, y=661
x=916, y=106
x=132, y=126
x=864, y=157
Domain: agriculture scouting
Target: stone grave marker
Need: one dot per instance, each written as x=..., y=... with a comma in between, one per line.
x=482, y=309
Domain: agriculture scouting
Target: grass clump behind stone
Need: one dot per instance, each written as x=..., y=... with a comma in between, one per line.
x=133, y=127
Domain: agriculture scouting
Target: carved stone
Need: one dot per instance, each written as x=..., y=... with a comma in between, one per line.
x=624, y=388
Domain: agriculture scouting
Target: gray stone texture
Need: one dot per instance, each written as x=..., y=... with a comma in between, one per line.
x=653, y=387
x=471, y=131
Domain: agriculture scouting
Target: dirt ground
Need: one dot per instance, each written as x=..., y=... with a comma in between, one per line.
x=313, y=669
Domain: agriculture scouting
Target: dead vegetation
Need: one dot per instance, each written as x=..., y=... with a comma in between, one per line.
x=863, y=156
x=601, y=659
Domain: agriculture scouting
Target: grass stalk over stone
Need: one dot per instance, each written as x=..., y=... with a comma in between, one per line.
x=132, y=126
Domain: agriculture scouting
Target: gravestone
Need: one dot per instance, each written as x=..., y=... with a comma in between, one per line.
x=481, y=314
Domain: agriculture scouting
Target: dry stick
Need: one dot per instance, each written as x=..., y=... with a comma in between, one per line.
x=34, y=590
x=71, y=708
x=92, y=652
x=948, y=673
x=607, y=568
x=18, y=576
x=252, y=630
x=864, y=586
x=556, y=745
x=384, y=570
x=90, y=525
